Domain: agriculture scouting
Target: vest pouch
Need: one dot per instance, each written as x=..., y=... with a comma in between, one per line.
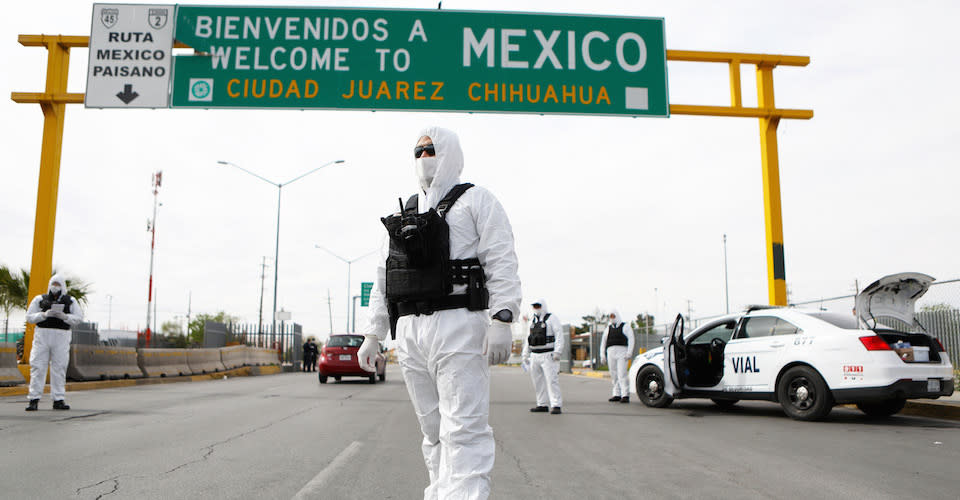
x=406, y=284
x=537, y=339
x=478, y=298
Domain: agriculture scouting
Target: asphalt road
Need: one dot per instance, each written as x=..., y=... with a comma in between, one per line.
x=283, y=435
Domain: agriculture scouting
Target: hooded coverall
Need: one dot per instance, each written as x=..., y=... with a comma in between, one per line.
x=441, y=355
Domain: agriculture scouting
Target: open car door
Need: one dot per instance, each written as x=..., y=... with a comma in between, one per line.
x=674, y=359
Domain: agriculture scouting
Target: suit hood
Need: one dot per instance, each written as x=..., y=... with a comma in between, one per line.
x=449, y=166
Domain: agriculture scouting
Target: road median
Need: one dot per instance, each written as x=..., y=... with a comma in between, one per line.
x=245, y=371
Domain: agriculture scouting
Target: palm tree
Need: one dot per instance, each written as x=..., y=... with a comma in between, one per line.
x=15, y=291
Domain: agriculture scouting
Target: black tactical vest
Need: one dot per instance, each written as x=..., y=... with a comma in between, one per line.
x=420, y=273
x=47, y=302
x=539, y=336
x=615, y=336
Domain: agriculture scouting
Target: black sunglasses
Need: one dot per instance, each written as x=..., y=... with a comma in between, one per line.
x=419, y=150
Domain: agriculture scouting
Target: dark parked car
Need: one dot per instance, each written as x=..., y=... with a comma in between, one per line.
x=338, y=358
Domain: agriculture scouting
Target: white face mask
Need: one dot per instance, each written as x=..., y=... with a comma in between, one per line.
x=55, y=290
x=538, y=311
x=426, y=170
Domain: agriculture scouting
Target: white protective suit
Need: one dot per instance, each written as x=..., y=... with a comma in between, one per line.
x=51, y=346
x=618, y=356
x=442, y=355
x=544, y=366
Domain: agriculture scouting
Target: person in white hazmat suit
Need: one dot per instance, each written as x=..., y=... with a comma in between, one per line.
x=542, y=350
x=617, y=345
x=54, y=313
x=437, y=293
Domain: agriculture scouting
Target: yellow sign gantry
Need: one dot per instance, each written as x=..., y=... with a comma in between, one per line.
x=54, y=98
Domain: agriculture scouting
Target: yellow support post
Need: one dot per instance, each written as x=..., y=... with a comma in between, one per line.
x=53, y=107
x=773, y=222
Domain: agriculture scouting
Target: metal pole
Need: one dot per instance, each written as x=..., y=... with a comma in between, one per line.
x=726, y=282
x=58, y=62
x=263, y=275
x=330, y=310
x=276, y=261
x=109, y=311
x=153, y=234
x=349, y=263
x=773, y=220
x=354, y=328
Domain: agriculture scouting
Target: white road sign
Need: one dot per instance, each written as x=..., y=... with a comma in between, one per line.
x=130, y=56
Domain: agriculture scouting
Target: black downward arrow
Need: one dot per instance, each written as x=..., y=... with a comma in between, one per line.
x=128, y=94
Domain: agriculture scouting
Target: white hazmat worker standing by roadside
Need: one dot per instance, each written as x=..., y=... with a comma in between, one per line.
x=617, y=345
x=54, y=313
x=542, y=350
x=448, y=290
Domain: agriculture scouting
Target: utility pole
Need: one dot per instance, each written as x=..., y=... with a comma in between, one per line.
x=109, y=310
x=689, y=312
x=152, y=227
x=263, y=276
x=330, y=310
x=726, y=286
x=189, y=303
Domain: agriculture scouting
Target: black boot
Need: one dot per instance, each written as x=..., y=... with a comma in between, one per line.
x=34, y=404
x=540, y=409
x=625, y=399
x=555, y=410
x=614, y=399
x=60, y=405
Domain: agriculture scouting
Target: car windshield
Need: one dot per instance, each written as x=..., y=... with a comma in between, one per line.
x=345, y=341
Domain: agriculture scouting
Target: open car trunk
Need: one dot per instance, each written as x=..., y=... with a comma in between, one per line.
x=887, y=306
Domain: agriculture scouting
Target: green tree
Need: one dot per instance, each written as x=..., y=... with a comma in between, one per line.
x=195, y=328
x=15, y=291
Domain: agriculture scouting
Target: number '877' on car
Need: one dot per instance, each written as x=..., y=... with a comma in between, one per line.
x=808, y=361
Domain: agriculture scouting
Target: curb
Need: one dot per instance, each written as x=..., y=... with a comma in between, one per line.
x=591, y=374
x=932, y=409
x=245, y=371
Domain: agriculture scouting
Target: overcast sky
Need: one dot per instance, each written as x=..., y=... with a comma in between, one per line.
x=605, y=210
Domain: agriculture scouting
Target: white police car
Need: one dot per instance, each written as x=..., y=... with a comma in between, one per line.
x=807, y=361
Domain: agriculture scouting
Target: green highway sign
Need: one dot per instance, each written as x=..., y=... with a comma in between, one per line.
x=365, y=288
x=419, y=60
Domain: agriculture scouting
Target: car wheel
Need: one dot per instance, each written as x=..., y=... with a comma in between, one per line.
x=725, y=404
x=650, y=388
x=323, y=379
x=373, y=378
x=882, y=408
x=337, y=378
x=803, y=394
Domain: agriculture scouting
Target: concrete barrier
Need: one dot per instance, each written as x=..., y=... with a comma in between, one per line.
x=234, y=356
x=97, y=362
x=261, y=357
x=205, y=360
x=163, y=362
x=9, y=374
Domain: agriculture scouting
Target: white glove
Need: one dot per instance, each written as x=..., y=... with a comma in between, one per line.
x=556, y=356
x=56, y=314
x=603, y=359
x=496, y=346
x=367, y=354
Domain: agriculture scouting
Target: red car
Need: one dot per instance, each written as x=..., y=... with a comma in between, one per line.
x=338, y=358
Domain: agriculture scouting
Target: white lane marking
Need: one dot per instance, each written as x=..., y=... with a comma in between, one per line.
x=313, y=488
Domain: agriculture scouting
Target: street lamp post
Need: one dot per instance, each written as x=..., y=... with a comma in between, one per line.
x=349, y=263
x=276, y=257
x=109, y=310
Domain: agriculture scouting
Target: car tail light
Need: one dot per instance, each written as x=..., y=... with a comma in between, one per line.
x=875, y=343
x=940, y=345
